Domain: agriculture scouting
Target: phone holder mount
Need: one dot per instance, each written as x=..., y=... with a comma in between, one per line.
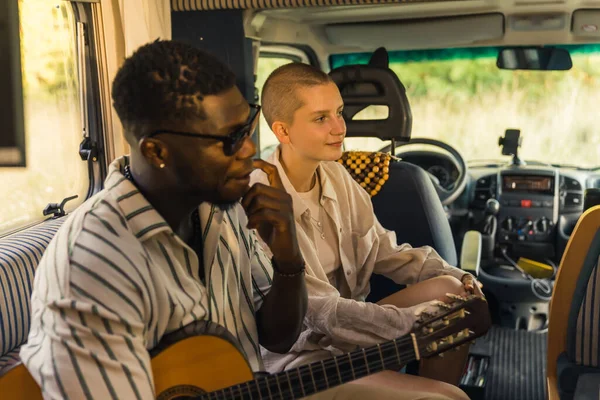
x=510, y=142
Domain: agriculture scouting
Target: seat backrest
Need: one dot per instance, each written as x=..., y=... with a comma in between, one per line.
x=574, y=321
x=20, y=254
x=407, y=203
x=421, y=221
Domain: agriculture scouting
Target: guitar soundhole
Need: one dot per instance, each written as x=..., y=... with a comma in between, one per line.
x=180, y=392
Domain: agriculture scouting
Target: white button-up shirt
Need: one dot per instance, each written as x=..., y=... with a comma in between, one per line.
x=338, y=319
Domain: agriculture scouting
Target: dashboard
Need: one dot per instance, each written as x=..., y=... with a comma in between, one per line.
x=437, y=164
x=539, y=205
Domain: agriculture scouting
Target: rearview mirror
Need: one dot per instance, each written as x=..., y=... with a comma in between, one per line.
x=534, y=58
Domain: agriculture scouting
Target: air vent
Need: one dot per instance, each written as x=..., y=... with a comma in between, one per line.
x=485, y=182
x=485, y=189
x=571, y=194
x=573, y=200
x=594, y=183
x=570, y=184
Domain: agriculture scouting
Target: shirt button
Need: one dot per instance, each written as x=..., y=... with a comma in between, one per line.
x=318, y=224
x=322, y=236
x=348, y=272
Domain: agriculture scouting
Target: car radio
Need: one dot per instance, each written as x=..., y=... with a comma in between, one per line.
x=534, y=184
x=528, y=209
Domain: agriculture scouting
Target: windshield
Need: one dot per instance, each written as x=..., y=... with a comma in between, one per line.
x=460, y=97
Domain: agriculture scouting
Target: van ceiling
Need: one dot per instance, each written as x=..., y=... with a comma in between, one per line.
x=433, y=24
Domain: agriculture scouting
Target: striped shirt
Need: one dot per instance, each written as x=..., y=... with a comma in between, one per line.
x=116, y=278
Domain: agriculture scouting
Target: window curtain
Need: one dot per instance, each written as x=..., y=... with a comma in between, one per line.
x=144, y=21
x=126, y=25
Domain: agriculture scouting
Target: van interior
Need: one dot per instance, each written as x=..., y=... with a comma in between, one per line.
x=489, y=107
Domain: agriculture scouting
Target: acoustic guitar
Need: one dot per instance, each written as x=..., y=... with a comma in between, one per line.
x=203, y=361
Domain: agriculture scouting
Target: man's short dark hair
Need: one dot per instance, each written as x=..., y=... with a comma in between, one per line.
x=164, y=82
x=279, y=98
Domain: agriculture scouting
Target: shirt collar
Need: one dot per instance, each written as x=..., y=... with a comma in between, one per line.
x=141, y=216
x=299, y=204
x=328, y=190
x=143, y=219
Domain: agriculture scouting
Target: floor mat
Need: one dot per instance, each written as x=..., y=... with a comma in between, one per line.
x=518, y=364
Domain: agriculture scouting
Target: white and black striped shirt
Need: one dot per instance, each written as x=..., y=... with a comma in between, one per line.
x=116, y=278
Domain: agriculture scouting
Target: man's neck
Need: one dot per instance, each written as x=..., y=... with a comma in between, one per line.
x=300, y=171
x=173, y=206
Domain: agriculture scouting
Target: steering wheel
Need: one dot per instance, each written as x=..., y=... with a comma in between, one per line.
x=446, y=196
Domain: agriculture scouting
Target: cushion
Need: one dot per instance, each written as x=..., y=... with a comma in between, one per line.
x=20, y=254
x=369, y=169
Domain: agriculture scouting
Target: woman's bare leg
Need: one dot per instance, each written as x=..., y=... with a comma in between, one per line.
x=431, y=289
x=413, y=384
x=448, y=368
x=390, y=385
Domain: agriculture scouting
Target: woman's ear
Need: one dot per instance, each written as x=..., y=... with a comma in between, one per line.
x=281, y=130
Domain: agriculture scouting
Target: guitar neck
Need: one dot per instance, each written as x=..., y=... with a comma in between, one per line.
x=312, y=378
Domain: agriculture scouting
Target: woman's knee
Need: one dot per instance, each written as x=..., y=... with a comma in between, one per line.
x=448, y=284
x=451, y=391
x=430, y=388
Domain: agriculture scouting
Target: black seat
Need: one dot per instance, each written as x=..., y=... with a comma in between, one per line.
x=407, y=203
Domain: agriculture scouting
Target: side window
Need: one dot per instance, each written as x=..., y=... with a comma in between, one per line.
x=267, y=64
x=53, y=122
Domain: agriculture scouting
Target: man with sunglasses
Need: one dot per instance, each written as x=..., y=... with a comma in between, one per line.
x=169, y=240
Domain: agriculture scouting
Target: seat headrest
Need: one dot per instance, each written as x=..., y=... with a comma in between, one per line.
x=380, y=58
x=375, y=84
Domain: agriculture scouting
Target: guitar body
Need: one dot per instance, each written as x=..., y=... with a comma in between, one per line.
x=18, y=384
x=204, y=357
x=201, y=357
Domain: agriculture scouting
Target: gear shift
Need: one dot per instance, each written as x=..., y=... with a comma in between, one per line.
x=488, y=228
x=492, y=207
x=490, y=222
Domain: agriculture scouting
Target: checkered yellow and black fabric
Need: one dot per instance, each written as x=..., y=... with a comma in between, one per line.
x=370, y=170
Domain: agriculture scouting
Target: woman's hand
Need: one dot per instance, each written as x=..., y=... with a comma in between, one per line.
x=472, y=285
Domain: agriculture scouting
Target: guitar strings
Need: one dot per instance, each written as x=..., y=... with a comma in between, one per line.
x=330, y=363
x=243, y=392
x=264, y=383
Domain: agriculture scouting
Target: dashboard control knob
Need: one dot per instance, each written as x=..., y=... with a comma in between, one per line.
x=524, y=226
x=509, y=224
x=541, y=225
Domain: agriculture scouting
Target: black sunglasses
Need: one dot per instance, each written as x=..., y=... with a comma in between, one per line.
x=232, y=142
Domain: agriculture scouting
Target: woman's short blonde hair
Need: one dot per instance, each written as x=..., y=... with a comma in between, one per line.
x=279, y=98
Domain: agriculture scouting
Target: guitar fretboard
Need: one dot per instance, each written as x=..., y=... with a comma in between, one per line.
x=316, y=377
